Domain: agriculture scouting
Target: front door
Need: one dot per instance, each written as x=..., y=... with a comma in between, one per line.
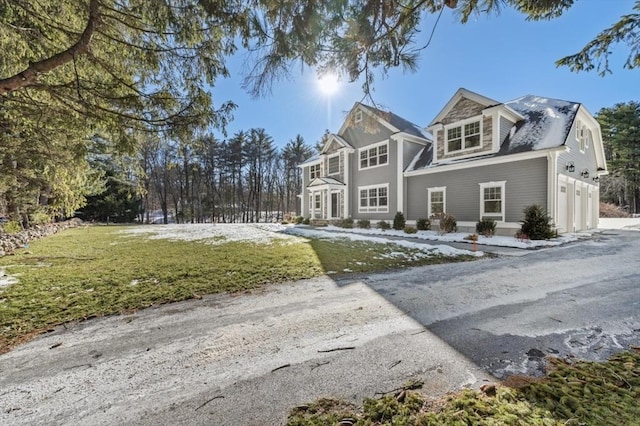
x=335, y=204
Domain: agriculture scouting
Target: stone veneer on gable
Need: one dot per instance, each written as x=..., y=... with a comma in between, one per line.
x=463, y=109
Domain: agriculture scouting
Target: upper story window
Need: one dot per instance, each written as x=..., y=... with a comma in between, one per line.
x=314, y=171
x=334, y=165
x=374, y=156
x=463, y=137
x=584, y=136
x=358, y=117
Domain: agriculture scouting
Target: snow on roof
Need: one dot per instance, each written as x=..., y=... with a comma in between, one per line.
x=314, y=159
x=546, y=124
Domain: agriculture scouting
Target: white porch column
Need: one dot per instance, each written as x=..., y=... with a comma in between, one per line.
x=312, y=206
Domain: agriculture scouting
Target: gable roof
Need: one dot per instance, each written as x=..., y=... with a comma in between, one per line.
x=547, y=123
x=399, y=124
x=333, y=137
x=388, y=119
x=463, y=93
x=319, y=181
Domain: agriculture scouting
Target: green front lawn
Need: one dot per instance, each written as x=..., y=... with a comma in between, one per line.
x=98, y=270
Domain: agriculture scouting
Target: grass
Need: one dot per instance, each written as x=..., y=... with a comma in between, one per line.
x=572, y=393
x=98, y=270
x=343, y=255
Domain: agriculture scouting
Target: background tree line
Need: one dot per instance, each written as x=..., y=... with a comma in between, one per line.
x=620, y=126
x=244, y=178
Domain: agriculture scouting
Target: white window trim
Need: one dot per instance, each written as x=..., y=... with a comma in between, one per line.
x=340, y=201
x=367, y=148
x=319, y=166
x=497, y=217
x=329, y=165
x=461, y=124
x=442, y=189
x=358, y=117
x=377, y=209
x=312, y=203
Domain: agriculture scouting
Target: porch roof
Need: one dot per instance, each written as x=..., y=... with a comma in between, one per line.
x=325, y=181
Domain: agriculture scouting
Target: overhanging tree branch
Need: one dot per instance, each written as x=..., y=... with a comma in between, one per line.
x=30, y=75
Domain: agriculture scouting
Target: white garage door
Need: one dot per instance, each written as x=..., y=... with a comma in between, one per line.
x=563, y=214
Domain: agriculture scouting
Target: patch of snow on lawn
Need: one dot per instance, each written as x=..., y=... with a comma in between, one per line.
x=220, y=233
x=459, y=237
x=6, y=280
x=350, y=234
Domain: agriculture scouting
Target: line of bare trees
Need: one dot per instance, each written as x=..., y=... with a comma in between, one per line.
x=245, y=178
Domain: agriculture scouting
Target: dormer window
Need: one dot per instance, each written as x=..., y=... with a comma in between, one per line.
x=463, y=137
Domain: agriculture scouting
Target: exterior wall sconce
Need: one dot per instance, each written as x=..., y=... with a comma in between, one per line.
x=584, y=173
x=596, y=179
x=570, y=167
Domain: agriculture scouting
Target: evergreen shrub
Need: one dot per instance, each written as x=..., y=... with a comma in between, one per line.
x=537, y=224
x=423, y=224
x=364, y=224
x=384, y=225
x=346, y=223
x=410, y=230
x=399, y=221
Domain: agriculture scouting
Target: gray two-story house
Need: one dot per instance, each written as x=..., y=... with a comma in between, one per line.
x=485, y=159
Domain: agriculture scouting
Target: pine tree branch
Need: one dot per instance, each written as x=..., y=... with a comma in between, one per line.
x=30, y=75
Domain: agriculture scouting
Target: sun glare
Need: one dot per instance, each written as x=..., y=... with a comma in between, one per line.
x=328, y=84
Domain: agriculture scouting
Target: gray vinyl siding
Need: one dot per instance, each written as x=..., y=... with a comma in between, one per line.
x=526, y=184
x=586, y=160
x=374, y=176
x=505, y=128
x=305, y=193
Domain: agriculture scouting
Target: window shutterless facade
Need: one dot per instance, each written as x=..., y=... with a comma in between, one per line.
x=373, y=156
x=492, y=196
x=373, y=199
x=436, y=200
x=463, y=137
x=314, y=171
x=334, y=165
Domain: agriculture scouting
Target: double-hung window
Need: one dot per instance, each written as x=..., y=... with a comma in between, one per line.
x=374, y=199
x=373, y=156
x=463, y=137
x=334, y=165
x=436, y=203
x=314, y=171
x=315, y=202
x=492, y=196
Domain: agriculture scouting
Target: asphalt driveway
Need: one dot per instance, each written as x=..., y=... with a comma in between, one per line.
x=247, y=359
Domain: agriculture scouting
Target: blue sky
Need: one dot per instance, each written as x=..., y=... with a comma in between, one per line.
x=501, y=57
